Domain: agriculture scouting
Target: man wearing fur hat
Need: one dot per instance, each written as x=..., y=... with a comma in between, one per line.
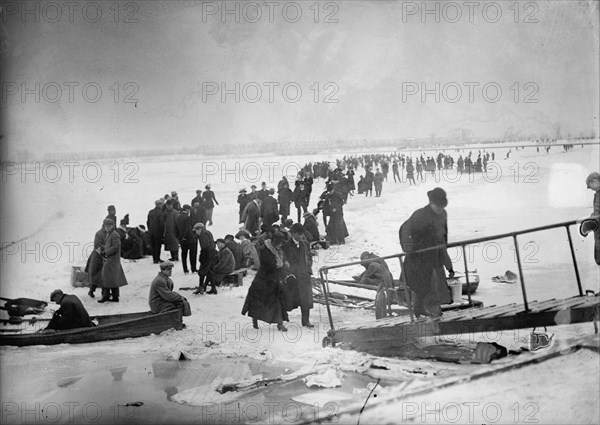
x=424, y=272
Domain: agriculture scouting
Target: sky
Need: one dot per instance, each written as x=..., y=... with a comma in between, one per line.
x=98, y=76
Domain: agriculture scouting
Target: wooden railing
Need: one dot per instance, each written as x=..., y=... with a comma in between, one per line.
x=323, y=271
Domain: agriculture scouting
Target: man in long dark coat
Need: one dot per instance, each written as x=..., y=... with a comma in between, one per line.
x=298, y=255
x=208, y=254
x=336, y=228
x=113, y=276
x=269, y=210
x=71, y=314
x=171, y=242
x=156, y=229
x=94, y=264
x=242, y=200
x=265, y=298
x=186, y=238
x=424, y=272
x=284, y=197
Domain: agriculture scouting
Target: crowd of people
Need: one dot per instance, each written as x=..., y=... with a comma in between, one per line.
x=279, y=249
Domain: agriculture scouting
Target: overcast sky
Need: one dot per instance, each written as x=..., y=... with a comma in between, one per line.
x=361, y=75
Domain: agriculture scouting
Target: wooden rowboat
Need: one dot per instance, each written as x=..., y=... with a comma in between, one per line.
x=109, y=327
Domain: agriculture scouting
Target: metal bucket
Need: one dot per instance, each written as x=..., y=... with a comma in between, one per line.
x=456, y=289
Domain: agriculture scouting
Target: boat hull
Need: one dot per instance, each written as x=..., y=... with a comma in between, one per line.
x=110, y=327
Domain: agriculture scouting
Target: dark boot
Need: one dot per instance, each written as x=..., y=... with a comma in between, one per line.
x=114, y=295
x=200, y=289
x=255, y=323
x=213, y=289
x=305, y=318
x=105, y=295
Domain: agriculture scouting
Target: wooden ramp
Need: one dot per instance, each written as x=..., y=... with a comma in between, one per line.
x=392, y=334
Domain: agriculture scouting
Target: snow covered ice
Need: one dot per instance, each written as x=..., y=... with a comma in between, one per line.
x=69, y=213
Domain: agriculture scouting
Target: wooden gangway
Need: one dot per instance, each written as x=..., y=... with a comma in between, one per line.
x=392, y=334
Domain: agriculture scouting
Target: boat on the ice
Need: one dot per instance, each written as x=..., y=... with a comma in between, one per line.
x=343, y=295
x=108, y=327
x=462, y=278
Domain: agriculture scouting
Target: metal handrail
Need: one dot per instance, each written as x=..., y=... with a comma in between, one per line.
x=323, y=271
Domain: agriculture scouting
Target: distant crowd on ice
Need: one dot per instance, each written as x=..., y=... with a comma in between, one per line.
x=269, y=240
x=264, y=210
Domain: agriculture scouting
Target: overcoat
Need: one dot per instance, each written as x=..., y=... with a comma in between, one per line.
x=113, y=275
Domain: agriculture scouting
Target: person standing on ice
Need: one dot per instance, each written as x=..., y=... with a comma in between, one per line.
x=242, y=200
x=113, y=276
x=395, y=171
x=593, y=183
x=410, y=172
x=285, y=197
x=208, y=254
x=265, y=298
x=369, y=178
x=251, y=216
x=424, y=272
x=112, y=214
x=209, y=203
x=94, y=264
x=187, y=238
x=298, y=255
x=378, y=182
x=170, y=233
x=269, y=209
x=300, y=195
x=156, y=228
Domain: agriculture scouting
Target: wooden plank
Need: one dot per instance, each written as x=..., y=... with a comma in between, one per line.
x=516, y=309
x=484, y=310
x=565, y=304
x=497, y=318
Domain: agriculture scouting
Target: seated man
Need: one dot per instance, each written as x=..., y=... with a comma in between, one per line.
x=71, y=314
x=223, y=265
x=162, y=297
